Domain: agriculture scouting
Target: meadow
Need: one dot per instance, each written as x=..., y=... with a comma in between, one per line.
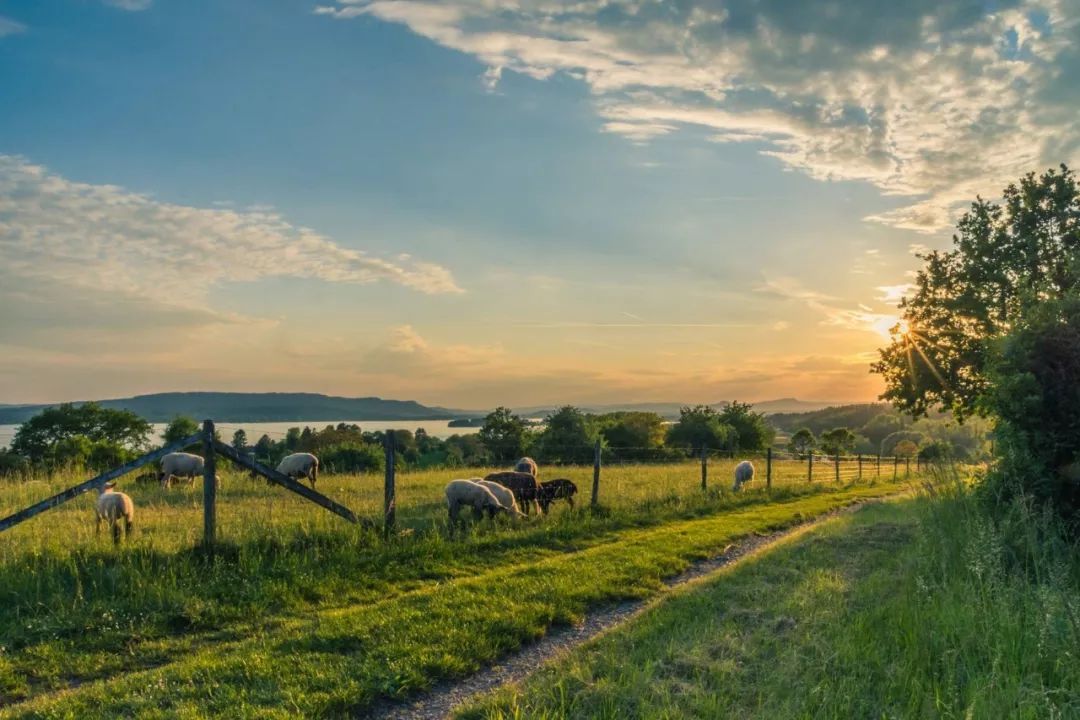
x=158, y=627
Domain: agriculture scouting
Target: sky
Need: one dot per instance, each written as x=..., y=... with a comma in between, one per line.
x=481, y=202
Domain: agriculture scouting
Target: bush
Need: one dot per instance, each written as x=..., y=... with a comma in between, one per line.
x=352, y=458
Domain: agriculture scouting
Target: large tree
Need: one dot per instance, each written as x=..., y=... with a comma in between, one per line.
x=70, y=432
x=751, y=430
x=504, y=435
x=568, y=437
x=700, y=427
x=1006, y=258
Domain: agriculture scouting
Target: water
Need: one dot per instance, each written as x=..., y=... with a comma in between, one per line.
x=277, y=430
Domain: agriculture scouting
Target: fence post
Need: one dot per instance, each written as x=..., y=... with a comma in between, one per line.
x=860, y=466
x=836, y=464
x=704, y=468
x=768, y=469
x=389, y=492
x=879, y=465
x=596, y=474
x=209, y=487
x=810, y=466
x=907, y=467
x=895, y=465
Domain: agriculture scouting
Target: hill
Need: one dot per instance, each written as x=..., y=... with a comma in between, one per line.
x=670, y=410
x=256, y=407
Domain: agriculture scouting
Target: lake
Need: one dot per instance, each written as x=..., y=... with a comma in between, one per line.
x=277, y=430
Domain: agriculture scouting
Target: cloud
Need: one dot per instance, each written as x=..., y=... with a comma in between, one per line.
x=933, y=101
x=108, y=240
x=10, y=27
x=893, y=294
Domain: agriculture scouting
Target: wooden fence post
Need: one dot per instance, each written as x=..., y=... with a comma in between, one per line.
x=209, y=487
x=907, y=467
x=836, y=464
x=860, y=466
x=895, y=465
x=389, y=492
x=810, y=466
x=768, y=469
x=596, y=474
x=704, y=468
x=879, y=465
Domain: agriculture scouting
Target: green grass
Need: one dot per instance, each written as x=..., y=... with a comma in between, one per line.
x=300, y=612
x=920, y=609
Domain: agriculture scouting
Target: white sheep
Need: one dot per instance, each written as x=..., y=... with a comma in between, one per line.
x=527, y=465
x=503, y=494
x=180, y=464
x=300, y=465
x=475, y=495
x=111, y=507
x=744, y=473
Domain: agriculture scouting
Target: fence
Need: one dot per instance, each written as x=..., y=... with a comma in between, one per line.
x=211, y=449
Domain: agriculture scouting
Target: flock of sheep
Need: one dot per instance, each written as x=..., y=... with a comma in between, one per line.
x=500, y=492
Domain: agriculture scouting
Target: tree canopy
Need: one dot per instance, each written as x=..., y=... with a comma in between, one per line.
x=1006, y=258
x=72, y=433
x=504, y=435
x=700, y=427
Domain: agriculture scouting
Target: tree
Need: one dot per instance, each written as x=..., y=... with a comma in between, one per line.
x=881, y=426
x=802, y=441
x=292, y=439
x=264, y=448
x=179, y=428
x=700, y=427
x=38, y=438
x=567, y=437
x=1006, y=260
x=888, y=445
x=837, y=441
x=633, y=435
x=905, y=449
x=504, y=435
x=239, y=440
x=751, y=429
x=935, y=451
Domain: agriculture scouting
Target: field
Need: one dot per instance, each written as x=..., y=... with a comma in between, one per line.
x=912, y=609
x=300, y=612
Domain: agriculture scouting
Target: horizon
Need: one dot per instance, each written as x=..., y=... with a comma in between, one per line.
x=485, y=204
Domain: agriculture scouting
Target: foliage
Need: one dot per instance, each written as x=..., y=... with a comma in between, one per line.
x=752, y=432
x=905, y=449
x=179, y=428
x=1035, y=394
x=352, y=458
x=1006, y=260
x=838, y=441
x=504, y=435
x=240, y=440
x=802, y=441
x=936, y=451
x=633, y=435
x=12, y=463
x=888, y=445
x=568, y=437
x=52, y=436
x=700, y=427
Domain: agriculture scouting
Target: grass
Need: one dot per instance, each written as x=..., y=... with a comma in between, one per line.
x=299, y=612
x=923, y=609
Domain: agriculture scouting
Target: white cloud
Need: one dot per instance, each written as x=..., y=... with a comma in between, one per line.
x=10, y=27
x=937, y=101
x=893, y=294
x=109, y=240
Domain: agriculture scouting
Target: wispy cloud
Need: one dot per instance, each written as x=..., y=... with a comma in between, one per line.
x=10, y=27
x=938, y=101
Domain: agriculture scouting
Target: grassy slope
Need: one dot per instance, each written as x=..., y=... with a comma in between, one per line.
x=335, y=658
x=900, y=610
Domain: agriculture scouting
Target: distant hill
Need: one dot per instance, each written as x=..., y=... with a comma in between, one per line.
x=818, y=421
x=671, y=410
x=256, y=407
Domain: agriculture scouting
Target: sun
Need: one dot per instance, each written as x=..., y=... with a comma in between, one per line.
x=890, y=326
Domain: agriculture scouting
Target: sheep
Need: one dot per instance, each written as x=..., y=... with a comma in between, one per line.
x=527, y=465
x=551, y=490
x=475, y=495
x=300, y=465
x=503, y=495
x=180, y=464
x=744, y=473
x=111, y=507
x=523, y=485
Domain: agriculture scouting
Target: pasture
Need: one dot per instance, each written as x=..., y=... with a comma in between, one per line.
x=300, y=612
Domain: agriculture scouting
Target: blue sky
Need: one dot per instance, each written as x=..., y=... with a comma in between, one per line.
x=479, y=203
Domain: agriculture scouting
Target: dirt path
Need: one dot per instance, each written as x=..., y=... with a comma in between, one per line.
x=445, y=697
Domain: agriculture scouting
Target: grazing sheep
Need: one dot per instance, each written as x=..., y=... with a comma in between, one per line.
x=300, y=465
x=475, y=495
x=523, y=485
x=744, y=473
x=503, y=495
x=551, y=490
x=180, y=464
x=111, y=507
x=527, y=465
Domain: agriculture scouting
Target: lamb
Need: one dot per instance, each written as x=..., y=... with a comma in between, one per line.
x=473, y=494
x=503, y=495
x=300, y=465
x=744, y=473
x=527, y=465
x=111, y=507
x=523, y=485
x=180, y=464
x=551, y=490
